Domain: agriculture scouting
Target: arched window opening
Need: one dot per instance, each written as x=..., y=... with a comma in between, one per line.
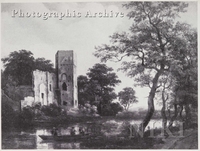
x=42, y=95
x=64, y=77
x=64, y=86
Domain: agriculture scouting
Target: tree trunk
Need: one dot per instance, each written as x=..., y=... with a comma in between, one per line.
x=181, y=110
x=151, y=96
x=164, y=120
x=169, y=113
x=164, y=117
x=187, y=115
x=173, y=117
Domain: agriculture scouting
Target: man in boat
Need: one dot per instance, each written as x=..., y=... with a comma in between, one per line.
x=81, y=131
x=73, y=131
x=54, y=132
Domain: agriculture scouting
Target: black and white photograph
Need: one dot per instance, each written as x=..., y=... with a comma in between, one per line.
x=99, y=75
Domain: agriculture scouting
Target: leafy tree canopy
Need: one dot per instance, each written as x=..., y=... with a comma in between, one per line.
x=44, y=65
x=83, y=87
x=20, y=64
x=98, y=86
x=156, y=45
x=127, y=97
x=103, y=75
x=103, y=80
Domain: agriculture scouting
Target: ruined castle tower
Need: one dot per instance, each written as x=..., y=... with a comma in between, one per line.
x=66, y=79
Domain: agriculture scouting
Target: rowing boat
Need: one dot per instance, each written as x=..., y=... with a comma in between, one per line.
x=67, y=138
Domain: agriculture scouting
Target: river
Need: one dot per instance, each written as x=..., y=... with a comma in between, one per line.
x=28, y=138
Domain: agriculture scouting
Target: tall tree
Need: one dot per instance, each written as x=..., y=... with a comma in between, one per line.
x=165, y=89
x=19, y=66
x=98, y=86
x=127, y=97
x=186, y=78
x=102, y=80
x=83, y=87
x=153, y=44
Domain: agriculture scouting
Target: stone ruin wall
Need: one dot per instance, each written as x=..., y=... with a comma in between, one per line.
x=44, y=84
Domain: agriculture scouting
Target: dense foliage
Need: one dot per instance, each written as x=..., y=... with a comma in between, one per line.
x=97, y=87
x=29, y=113
x=19, y=66
x=127, y=97
x=156, y=46
x=8, y=115
x=111, y=109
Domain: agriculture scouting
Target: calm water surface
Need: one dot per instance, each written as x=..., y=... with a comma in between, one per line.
x=29, y=139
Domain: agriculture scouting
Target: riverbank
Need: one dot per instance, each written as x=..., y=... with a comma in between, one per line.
x=115, y=134
x=188, y=141
x=65, y=119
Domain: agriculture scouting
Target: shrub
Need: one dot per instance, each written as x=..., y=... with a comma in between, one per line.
x=37, y=105
x=27, y=115
x=111, y=109
x=116, y=107
x=87, y=109
x=52, y=110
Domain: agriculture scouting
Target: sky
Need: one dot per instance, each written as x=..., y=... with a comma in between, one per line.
x=80, y=32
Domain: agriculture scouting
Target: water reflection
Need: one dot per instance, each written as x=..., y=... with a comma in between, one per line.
x=41, y=144
x=18, y=140
x=29, y=139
